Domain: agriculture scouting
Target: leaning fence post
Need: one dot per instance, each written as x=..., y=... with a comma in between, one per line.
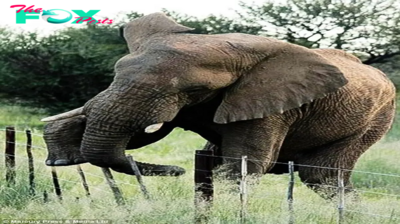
x=57, y=187
x=10, y=155
x=204, y=188
x=243, y=190
x=341, y=196
x=83, y=178
x=290, y=192
x=30, y=162
x=138, y=176
x=203, y=174
x=111, y=182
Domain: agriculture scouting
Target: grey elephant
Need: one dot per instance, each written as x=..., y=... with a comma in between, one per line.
x=247, y=95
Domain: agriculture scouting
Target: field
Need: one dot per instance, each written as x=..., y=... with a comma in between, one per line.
x=172, y=197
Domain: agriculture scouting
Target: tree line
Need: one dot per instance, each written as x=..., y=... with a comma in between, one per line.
x=63, y=70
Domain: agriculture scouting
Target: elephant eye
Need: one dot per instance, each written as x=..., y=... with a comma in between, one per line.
x=195, y=89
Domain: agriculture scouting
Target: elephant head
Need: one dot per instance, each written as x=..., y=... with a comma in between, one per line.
x=63, y=139
x=170, y=69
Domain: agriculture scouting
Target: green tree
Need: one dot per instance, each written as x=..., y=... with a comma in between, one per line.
x=64, y=70
x=210, y=25
x=369, y=28
x=61, y=71
x=215, y=24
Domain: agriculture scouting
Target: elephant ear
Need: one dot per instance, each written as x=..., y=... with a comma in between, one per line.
x=141, y=29
x=288, y=77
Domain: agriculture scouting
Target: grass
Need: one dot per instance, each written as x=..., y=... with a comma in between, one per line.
x=21, y=117
x=172, y=197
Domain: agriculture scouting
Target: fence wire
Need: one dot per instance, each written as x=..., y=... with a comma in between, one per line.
x=310, y=166
x=278, y=199
x=226, y=157
x=69, y=168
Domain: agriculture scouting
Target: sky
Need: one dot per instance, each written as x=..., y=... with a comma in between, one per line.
x=114, y=8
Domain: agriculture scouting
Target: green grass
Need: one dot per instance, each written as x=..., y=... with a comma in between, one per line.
x=21, y=117
x=172, y=197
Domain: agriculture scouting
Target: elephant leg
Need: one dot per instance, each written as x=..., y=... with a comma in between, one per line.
x=217, y=153
x=342, y=154
x=260, y=140
x=318, y=169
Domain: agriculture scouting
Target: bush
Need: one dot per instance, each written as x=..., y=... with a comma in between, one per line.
x=61, y=71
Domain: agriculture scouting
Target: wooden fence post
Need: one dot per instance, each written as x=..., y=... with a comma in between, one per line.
x=290, y=192
x=204, y=188
x=83, y=178
x=203, y=174
x=57, y=187
x=30, y=162
x=341, y=196
x=138, y=176
x=111, y=182
x=10, y=156
x=243, y=190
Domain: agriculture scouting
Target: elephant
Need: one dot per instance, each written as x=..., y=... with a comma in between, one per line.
x=268, y=99
x=63, y=139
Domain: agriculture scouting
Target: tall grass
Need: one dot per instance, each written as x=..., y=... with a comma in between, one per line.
x=172, y=197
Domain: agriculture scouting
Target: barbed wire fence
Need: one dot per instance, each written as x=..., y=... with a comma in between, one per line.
x=204, y=186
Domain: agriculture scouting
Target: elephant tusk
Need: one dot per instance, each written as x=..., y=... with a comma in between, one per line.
x=153, y=128
x=69, y=114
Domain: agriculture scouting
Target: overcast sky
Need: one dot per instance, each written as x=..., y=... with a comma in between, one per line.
x=113, y=8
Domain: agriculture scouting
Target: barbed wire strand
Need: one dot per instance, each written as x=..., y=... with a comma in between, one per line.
x=72, y=169
x=226, y=157
x=274, y=198
x=363, y=191
x=65, y=180
x=255, y=160
x=90, y=174
x=17, y=131
x=281, y=163
x=132, y=185
x=310, y=166
x=23, y=144
x=21, y=157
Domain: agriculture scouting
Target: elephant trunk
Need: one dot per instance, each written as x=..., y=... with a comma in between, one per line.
x=113, y=119
x=105, y=151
